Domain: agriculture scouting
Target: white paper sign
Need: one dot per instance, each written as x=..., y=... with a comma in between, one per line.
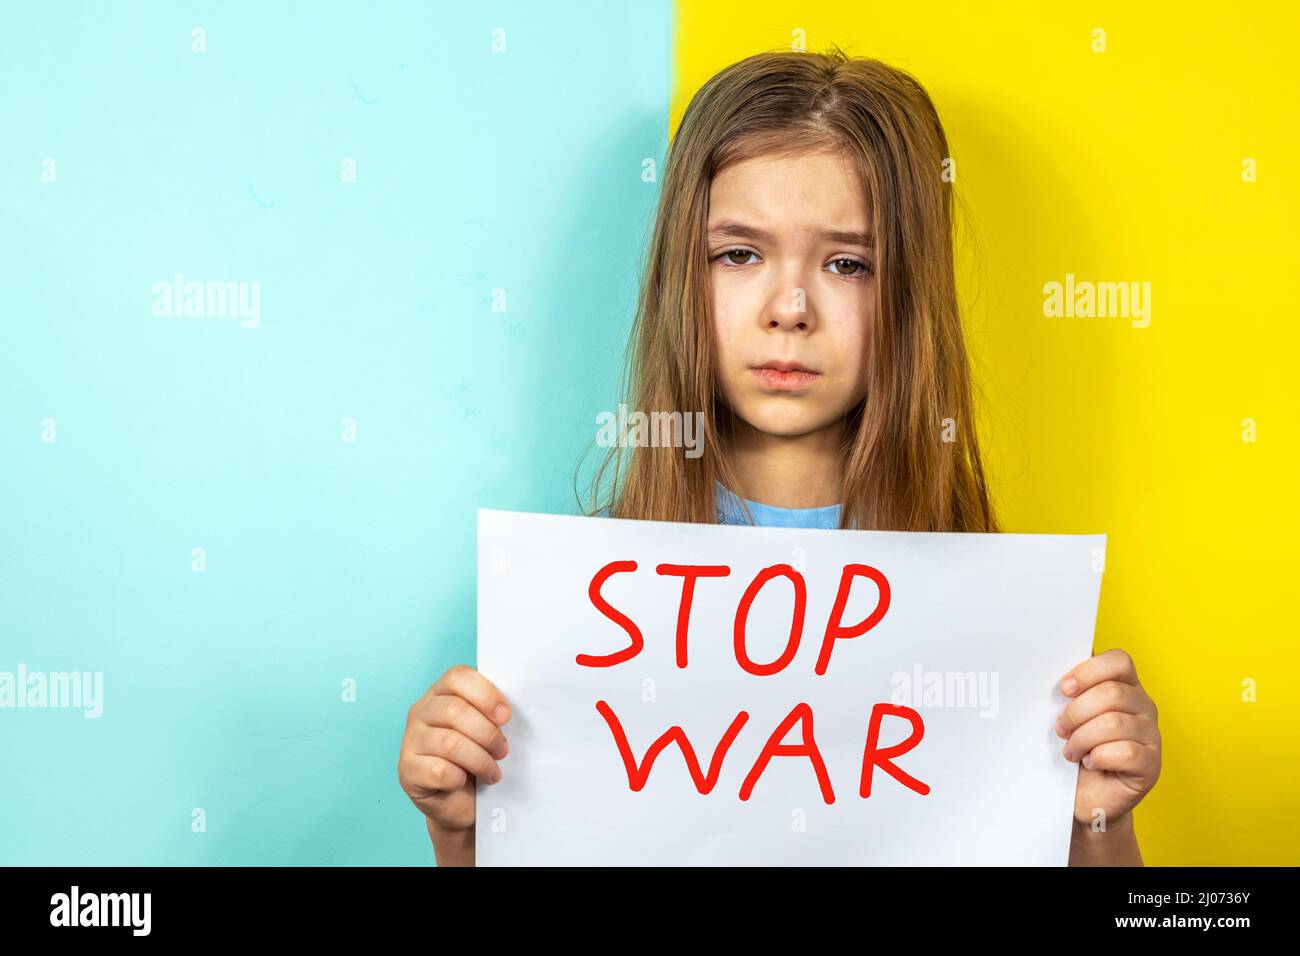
x=951, y=645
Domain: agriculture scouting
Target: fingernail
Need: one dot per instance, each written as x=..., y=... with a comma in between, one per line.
x=501, y=749
x=495, y=775
x=501, y=714
x=1060, y=728
x=1069, y=686
x=1066, y=754
x=1087, y=761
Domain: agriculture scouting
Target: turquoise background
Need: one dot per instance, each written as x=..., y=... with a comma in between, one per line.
x=325, y=560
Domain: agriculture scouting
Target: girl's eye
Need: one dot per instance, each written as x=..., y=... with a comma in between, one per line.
x=726, y=255
x=864, y=268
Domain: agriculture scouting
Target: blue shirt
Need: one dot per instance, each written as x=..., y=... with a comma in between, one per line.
x=731, y=510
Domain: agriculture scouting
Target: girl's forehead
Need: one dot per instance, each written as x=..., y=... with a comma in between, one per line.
x=812, y=191
x=791, y=162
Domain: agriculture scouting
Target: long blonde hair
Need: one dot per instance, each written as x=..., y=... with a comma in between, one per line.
x=905, y=468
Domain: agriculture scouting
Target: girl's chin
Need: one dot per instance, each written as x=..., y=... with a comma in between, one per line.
x=780, y=423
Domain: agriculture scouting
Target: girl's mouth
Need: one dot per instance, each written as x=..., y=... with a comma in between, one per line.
x=785, y=376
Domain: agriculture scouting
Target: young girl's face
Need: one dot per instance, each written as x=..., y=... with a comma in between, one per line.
x=793, y=290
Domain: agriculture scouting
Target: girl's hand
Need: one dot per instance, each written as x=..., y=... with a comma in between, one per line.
x=453, y=738
x=1110, y=728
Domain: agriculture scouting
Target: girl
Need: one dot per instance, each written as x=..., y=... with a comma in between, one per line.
x=800, y=291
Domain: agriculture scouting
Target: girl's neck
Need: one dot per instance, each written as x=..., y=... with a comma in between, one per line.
x=801, y=471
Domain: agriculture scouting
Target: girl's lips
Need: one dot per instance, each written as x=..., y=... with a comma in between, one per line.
x=785, y=380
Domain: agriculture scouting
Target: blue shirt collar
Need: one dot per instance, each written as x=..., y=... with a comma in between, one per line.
x=731, y=510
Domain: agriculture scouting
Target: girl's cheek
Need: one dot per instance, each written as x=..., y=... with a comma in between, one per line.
x=726, y=338
x=852, y=361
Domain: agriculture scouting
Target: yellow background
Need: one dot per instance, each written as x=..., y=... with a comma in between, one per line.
x=1126, y=165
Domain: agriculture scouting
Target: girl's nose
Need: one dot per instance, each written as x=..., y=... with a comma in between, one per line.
x=789, y=311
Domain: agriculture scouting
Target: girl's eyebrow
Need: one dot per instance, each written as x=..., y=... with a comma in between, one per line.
x=738, y=230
